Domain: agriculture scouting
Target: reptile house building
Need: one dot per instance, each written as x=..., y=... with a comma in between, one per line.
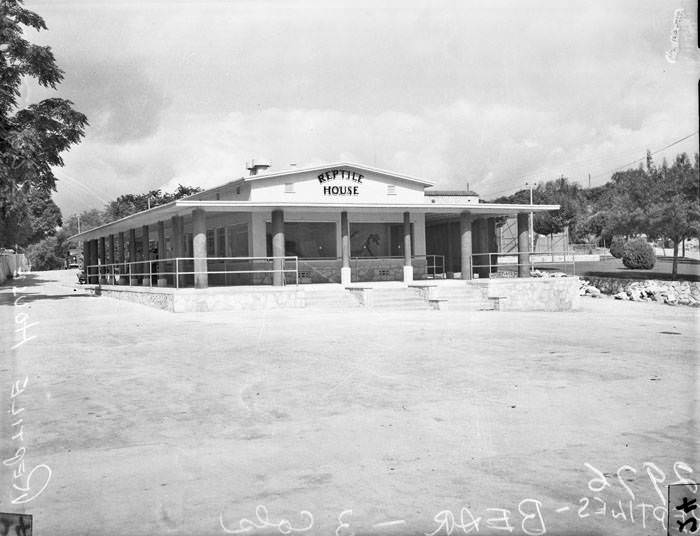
x=337, y=223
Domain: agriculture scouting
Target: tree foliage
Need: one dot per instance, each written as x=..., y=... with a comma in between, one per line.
x=655, y=201
x=28, y=218
x=47, y=254
x=128, y=204
x=32, y=138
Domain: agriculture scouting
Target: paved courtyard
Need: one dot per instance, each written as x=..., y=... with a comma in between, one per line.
x=345, y=421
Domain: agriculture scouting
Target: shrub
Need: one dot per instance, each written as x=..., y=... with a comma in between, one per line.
x=638, y=253
x=44, y=255
x=616, y=247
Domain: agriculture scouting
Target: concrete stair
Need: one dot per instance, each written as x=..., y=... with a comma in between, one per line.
x=466, y=298
x=397, y=299
x=331, y=299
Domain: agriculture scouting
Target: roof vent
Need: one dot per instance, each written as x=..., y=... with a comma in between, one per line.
x=255, y=166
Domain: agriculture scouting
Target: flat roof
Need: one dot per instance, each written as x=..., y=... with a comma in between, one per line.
x=451, y=193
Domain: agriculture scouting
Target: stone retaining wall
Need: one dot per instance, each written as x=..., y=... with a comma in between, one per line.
x=190, y=300
x=533, y=293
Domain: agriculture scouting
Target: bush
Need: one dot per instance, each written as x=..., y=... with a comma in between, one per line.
x=638, y=253
x=616, y=247
x=45, y=255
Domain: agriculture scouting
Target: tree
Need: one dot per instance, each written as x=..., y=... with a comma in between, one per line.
x=30, y=217
x=128, y=204
x=89, y=219
x=560, y=192
x=31, y=139
x=675, y=210
x=48, y=254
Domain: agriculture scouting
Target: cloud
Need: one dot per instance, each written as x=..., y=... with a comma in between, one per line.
x=485, y=93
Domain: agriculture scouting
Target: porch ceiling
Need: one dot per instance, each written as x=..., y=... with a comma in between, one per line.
x=185, y=208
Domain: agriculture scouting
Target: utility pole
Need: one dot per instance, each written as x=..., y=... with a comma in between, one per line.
x=531, y=222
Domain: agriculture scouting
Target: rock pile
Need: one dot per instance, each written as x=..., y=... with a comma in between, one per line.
x=586, y=289
x=540, y=273
x=668, y=292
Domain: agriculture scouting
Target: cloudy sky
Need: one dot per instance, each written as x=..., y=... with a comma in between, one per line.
x=490, y=94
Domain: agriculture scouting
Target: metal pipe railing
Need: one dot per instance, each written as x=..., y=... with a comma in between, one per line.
x=503, y=261
x=113, y=273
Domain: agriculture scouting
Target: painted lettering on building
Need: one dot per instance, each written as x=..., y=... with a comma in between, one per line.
x=349, y=177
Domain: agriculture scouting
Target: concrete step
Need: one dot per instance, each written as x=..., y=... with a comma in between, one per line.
x=466, y=299
x=397, y=298
x=339, y=299
x=470, y=306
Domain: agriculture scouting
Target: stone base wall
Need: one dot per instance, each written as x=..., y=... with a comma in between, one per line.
x=320, y=271
x=533, y=293
x=365, y=270
x=239, y=301
x=164, y=301
x=189, y=300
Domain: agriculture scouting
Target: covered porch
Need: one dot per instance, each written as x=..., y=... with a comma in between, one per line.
x=198, y=244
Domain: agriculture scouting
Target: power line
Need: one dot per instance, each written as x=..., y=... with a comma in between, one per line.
x=63, y=176
x=526, y=177
x=651, y=154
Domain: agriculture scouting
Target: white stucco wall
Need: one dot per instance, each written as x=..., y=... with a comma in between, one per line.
x=367, y=187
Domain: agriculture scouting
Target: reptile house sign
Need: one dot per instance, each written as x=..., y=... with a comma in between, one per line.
x=340, y=182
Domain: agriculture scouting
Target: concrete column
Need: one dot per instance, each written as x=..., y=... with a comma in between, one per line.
x=121, y=258
x=278, y=247
x=407, y=266
x=449, y=258
x=178, y=243
x=91, y=260
x=492, y=242
x=86, y=254
x=523, y=246
x=134, y=268
x=162, y=280
x=95, y=260
x=101, y=253
x=146, y=254
x=122, y=248
x=199, y=248
x=110, y=257
x=101, y=249
x=345, y=271
x=481, y=246
x=465, y=230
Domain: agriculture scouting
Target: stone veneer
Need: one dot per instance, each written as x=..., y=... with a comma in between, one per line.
x=533, y=293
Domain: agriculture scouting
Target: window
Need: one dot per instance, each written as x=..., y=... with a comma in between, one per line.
x=377, y=239
x=210, y=243
x=238, y=240
x=390, y=189
x=289, y=188
x=218, y=197
x=221, y=242
x=307, y=240
x=238, y=190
